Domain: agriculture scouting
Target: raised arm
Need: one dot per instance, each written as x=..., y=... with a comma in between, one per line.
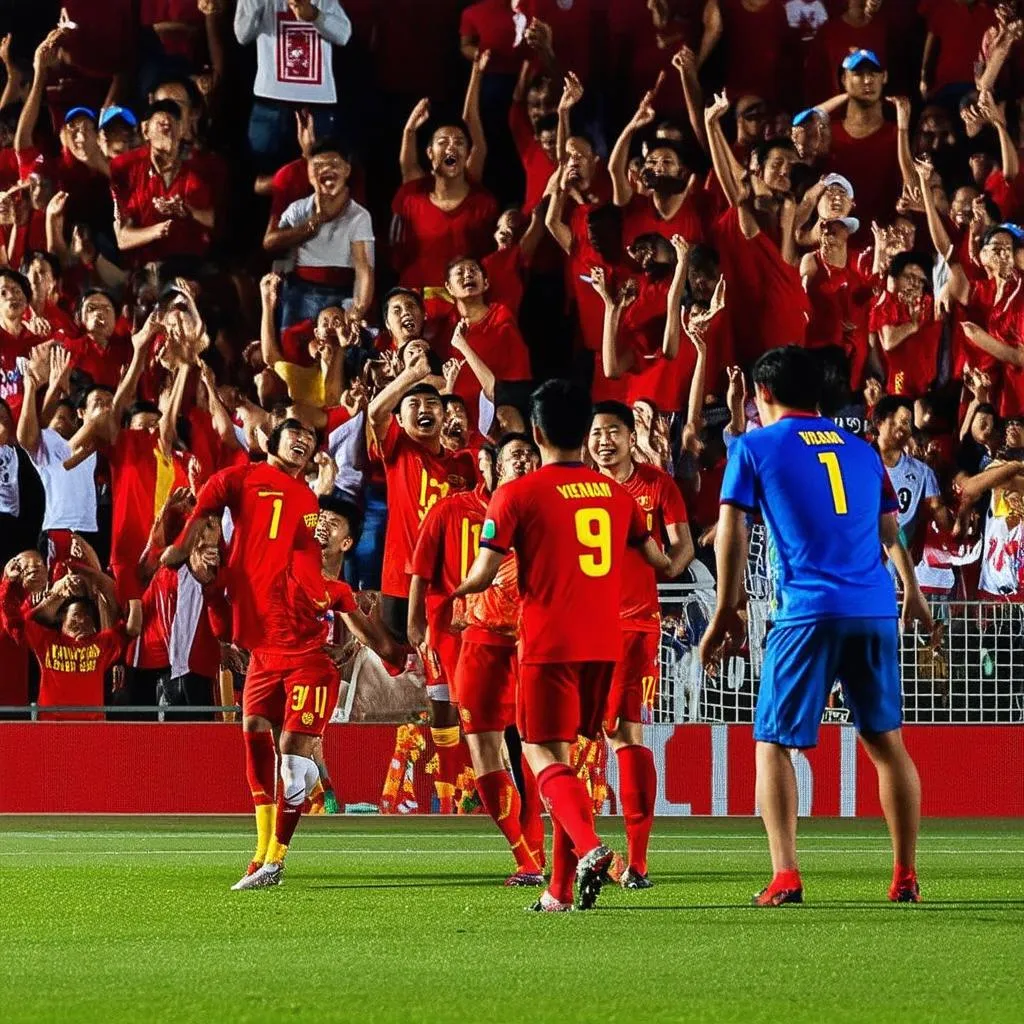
x=936, y=228
x=408, y=157
x=270, y=348
x=386, y=401
x=926, y=60
x=712, y=31
x=553, y=215
x=483, y=373
x=906, y=159
x=471, y=115
x=612, y=366
x=685, y=62
x=674, y=302
x=219, y=415
x=618, y=162
x=995, y=115
x=1008, y=34
x=28, y=433
x=45, y=59
x=572, y=93
x=993, y=346
x=249, y=15
x=172, y=410
x=721, y=159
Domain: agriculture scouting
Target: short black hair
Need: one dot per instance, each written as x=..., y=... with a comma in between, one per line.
x=449, y=122
x=792, y=375
x=178, y=265
x=423, y=388
x=274, y=441
x=889, y=405
x=704, y=259
x=328, y=144
x=65, y=607
x=88, y=294
x=506, y=439
x=409, y=292
x=452, y=264
x=19, y=279
x=453, y=399
x=902, y=260
x=562, y=412
x=999, y=229
x=140, y=407
x=547, y=123
x=619, y=410
x=31, y=255
x=987, y=409
x=348, y=510
x=83, y=395
x=195, y=97
x=162, y=107
x=760, y=151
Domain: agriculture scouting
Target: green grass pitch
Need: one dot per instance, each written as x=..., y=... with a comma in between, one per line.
x=384, y=920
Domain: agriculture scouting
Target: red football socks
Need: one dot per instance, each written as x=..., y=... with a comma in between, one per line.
x=784, y=880
x=638, y=782
x=563, y=864
x=260, y=766
x=570, y=805
x=501, y=801
x=529, y=814
x=901, y=873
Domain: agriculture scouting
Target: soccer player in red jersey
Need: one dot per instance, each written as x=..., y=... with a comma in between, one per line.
x=419, y=472
x=278, y=594
x=446, y=548
x=569, y=528
x=634, y=685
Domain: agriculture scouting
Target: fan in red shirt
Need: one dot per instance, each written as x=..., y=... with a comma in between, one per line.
x=24, y=582
x=444, y=214
x=169, y=208
x=862, y=26
x=907, y=330
x=864, y=143
x=17, y=338
x=42, y=271
x=534, y=126
x=74, y=647
x=635, y=682
x=487, y=329
x=956, y=29
x=759, y=48
x=103, y=350
x=278, y=596
x=569, y=528
x=490, y=25
x=667, y=205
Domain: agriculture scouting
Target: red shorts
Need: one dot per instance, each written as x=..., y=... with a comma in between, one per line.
x=635, y=683
x=561, y=700
x=485, y=681
x=297, y=692
x=442, y=659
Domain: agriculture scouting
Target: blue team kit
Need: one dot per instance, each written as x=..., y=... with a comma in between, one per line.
x=821, y=493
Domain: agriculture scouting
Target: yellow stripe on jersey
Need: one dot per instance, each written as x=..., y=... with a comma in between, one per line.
x=164, y=481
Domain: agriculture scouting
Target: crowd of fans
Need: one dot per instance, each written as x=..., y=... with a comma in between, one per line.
x=479, y=197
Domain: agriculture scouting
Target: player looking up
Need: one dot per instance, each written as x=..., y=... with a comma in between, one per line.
x=631, y=700
x=569, y=528
x=828, y=505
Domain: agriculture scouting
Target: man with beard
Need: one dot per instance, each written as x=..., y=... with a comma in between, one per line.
x=445, y=214
x=169, y=211
x=446, y=547
x=419, y=472
x=331, y=238
x=635, y=682
x=864, y=143
x=669, y=206
x=487, y=328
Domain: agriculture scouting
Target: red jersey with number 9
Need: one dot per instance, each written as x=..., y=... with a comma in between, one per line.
x=274, y=563
x=570, y=528
x=416, y=479
x=658, y=498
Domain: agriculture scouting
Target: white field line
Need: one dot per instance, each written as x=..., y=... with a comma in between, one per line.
x=759, y=852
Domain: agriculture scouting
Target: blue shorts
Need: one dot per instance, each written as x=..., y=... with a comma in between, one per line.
x=802, y=662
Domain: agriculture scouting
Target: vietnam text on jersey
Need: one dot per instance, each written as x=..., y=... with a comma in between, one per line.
x=662, y=505
x=821, y=493
x=272, y=549
x=569, y=527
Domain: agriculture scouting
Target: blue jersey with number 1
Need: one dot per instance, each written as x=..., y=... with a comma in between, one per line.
x=820, y=492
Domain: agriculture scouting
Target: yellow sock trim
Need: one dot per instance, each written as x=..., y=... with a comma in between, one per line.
x=447, y=737
x=265, y=815
x=275, y=855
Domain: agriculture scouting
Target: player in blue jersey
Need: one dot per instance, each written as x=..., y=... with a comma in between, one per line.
x=829, y=508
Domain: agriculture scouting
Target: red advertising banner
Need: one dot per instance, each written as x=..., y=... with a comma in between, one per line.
x=166, y=768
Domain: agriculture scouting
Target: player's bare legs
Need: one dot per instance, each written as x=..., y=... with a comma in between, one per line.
x=572, y=816
x=261, y=774
x=638, y=783
x=502, y=802
x=776, y=795
x=899, y=792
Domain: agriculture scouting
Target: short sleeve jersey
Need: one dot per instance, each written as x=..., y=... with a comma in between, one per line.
x=274, y=579
x=417, y=479
x=569, y=528
x=821, y=493
x=658, y=498
x=913, y=481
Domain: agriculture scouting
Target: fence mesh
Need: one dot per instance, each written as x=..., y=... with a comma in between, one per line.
x=975, y=675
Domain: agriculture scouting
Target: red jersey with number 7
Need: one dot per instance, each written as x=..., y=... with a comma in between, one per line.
x=570, y=528
x=658, y=498
x=273, y=574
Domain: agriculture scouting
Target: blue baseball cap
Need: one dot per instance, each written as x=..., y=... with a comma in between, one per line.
x=859, y=58
x=806, y=115
x=80, y=112
x=1013, y=229
x=112, y=113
